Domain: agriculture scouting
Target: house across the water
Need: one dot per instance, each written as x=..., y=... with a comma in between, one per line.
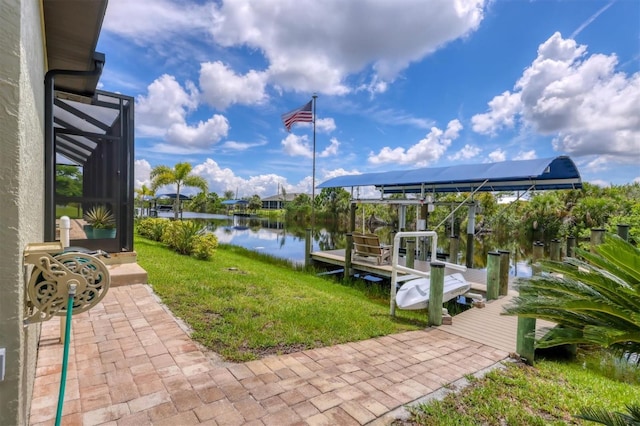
x=278, y=201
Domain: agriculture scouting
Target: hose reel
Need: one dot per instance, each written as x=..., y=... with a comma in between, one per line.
x=53, y=272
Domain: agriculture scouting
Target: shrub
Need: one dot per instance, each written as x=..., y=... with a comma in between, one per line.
x=180, y=235
x=204, y=246
x=152, y=228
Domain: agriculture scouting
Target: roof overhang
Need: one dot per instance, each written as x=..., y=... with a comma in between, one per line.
x=72, y=28
x=539, y=174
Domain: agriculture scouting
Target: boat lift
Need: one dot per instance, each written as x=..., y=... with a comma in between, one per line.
x=413, y=292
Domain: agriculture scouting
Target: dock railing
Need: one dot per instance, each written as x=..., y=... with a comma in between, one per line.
x=412, y=273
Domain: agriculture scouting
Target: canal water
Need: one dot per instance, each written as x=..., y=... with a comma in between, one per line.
x=278, y=239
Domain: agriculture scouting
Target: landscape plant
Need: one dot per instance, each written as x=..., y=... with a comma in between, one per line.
x=100, y=217
x=594, y=301
x=181, y=235
x=152, y=228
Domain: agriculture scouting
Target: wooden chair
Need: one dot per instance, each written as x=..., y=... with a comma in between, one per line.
x=368, y=245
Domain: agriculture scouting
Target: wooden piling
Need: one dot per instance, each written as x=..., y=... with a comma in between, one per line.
x=436, y=293
x=347, y=257
x=493, y=275
x=348, y=270
x=571, y=246
x=525, y=340
x=623, y=231
x=597, y=237
x=421, y=243
x=504, y=272
x=307, y=248
x=469, y=261
x=555, y=250
x=454, y=246
x=411, y=252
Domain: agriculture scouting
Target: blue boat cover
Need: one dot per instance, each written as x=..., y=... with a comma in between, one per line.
x=539, y=174
x=235, y=203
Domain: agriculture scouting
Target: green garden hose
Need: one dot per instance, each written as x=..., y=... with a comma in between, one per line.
x=65, y=355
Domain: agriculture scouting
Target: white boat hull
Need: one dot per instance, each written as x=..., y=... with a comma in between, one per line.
x=415, y=294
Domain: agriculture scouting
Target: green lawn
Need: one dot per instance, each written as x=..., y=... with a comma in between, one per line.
x=243, y=305
x=549, y=394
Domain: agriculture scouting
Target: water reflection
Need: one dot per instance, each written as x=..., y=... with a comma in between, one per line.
x=287, y=241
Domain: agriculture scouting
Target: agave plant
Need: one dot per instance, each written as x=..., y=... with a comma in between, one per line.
x=594, y=301
x=100, y=217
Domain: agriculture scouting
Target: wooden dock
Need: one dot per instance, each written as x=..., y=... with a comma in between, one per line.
x=483, y=325
x=476, y=277
x=487, y=325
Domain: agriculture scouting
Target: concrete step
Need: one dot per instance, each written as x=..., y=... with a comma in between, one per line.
x=127, y=274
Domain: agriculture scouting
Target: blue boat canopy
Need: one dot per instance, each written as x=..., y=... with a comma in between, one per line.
x=521, y=175
x=235, y=203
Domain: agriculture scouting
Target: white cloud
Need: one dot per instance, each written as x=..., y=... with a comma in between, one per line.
x=311, y=47
x=526, y=155
x=166, y=103
x=201, y=135
x=589, y=108
x=331, y=150
x=502, y=111
x=637, y=180
x=300, y=146
x=157, y=20
x=222, y=87
x=601, y=183
x=224, y=179
x=163, y=113
x=497, y=156
x=467, y=152
x=425, y=152
x=323, y=125
x=142, y=173
x=242, y=146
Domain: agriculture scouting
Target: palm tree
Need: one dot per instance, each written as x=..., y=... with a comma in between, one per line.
x=594, y=301
x=180, y=177
x=143, y=192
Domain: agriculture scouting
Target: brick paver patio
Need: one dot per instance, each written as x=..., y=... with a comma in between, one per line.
x=131, y=363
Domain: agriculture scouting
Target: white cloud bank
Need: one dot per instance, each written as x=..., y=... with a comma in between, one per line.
x=425, y=152
x=163, y=111
x=591, y=109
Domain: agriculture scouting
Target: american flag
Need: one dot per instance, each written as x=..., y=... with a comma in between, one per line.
x=302, y=114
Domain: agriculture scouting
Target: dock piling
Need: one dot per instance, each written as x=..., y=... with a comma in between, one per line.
x=555, y=250
x=411, y=252
x=597, y=237
x=571, y=246
x=454, y=247
x=504, y=272
x=493, y=275
x=623, y=231
x=436, y=293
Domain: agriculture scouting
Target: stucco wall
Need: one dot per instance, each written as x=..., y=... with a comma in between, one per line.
x=22, y=71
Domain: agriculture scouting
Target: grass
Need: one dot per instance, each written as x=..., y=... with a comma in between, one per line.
x=549, y=394
x=72, y=211
x=244, y=305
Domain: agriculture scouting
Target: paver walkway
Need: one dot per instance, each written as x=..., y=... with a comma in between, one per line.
x=131, y=363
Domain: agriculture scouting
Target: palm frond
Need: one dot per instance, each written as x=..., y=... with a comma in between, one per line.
x=604, y=417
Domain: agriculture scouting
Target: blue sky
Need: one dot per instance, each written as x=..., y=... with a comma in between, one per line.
x=401, y=84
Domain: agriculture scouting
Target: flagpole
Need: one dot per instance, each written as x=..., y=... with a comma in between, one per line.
x=313, y=177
